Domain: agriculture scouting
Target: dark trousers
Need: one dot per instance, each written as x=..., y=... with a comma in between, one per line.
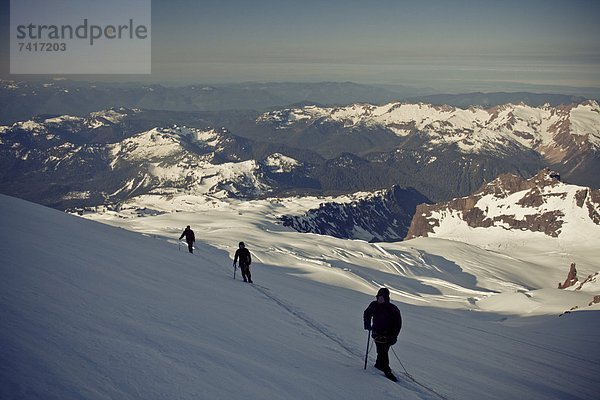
x=246, y=273
x=383, y=360
x=191, y=246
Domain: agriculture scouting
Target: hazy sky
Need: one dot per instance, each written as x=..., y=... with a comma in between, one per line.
x=441, y=44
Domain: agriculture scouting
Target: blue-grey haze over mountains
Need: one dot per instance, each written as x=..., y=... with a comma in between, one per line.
x=447, y=45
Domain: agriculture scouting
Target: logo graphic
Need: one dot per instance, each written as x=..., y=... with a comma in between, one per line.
x=80, y=37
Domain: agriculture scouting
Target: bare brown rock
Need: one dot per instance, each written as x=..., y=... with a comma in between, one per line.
x=505, y=185
x=571, y=278
x=593, y=204
x=590, y=278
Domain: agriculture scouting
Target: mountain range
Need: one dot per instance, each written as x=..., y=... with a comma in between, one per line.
x=493, y=99
x=424, y=153
x=443, y=152
x=21, y=100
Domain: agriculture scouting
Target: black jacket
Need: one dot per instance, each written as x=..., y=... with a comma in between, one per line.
x=189, y=235
x=387, y=320
x=244, y=256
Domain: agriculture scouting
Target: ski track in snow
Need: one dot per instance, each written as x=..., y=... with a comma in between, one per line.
x=312, y=324
x=417, y=386
x=337, y=340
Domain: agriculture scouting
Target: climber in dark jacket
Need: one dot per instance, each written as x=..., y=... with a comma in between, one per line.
x=245, y=260
x=189, y=238
x=385, y=328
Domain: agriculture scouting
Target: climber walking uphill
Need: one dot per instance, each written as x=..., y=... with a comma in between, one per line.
x=243, y=255
x=385, y=328
x=189, y=238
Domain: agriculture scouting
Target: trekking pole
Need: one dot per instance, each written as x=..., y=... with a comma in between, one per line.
x=179, y=245
x=368, y=343
x=234, y=269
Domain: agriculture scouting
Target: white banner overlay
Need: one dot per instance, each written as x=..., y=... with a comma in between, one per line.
x=80, y=37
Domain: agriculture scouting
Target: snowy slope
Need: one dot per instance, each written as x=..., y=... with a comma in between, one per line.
x=93, y=311
x=98, y=312
x=441, y=272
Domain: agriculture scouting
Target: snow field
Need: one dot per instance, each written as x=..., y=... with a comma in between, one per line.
x=94, y=311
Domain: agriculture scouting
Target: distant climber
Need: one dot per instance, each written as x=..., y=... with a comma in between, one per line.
x=189, y=238
x=385, y=328
x=243, y=255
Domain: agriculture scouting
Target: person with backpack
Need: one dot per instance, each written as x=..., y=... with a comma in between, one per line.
x=384, y=329
x=189, y=238
x=243, y=255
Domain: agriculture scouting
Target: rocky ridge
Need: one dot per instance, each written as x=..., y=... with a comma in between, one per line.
x=381, y=216
x=540, y=204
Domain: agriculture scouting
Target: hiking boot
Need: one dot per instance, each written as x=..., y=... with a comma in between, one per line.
x=390, y=376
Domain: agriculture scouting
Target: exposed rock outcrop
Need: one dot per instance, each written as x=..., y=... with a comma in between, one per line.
x=381, y=216
x=590, y=279
x=571, y=278
x=538, y=204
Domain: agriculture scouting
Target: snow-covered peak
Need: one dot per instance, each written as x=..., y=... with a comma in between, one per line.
x=31, y=126
x=210, y=137
x=514, y=207
x=590, y=284
x=113, y=116
x=73, y=123
x=167, y=164
x=584, y=121
x=473, y=130
x=149, y=145
x=279, y=163
x=62, y=119
x=166, y=142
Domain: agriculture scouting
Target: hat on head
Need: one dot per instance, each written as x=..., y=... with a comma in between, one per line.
x=385, y=293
